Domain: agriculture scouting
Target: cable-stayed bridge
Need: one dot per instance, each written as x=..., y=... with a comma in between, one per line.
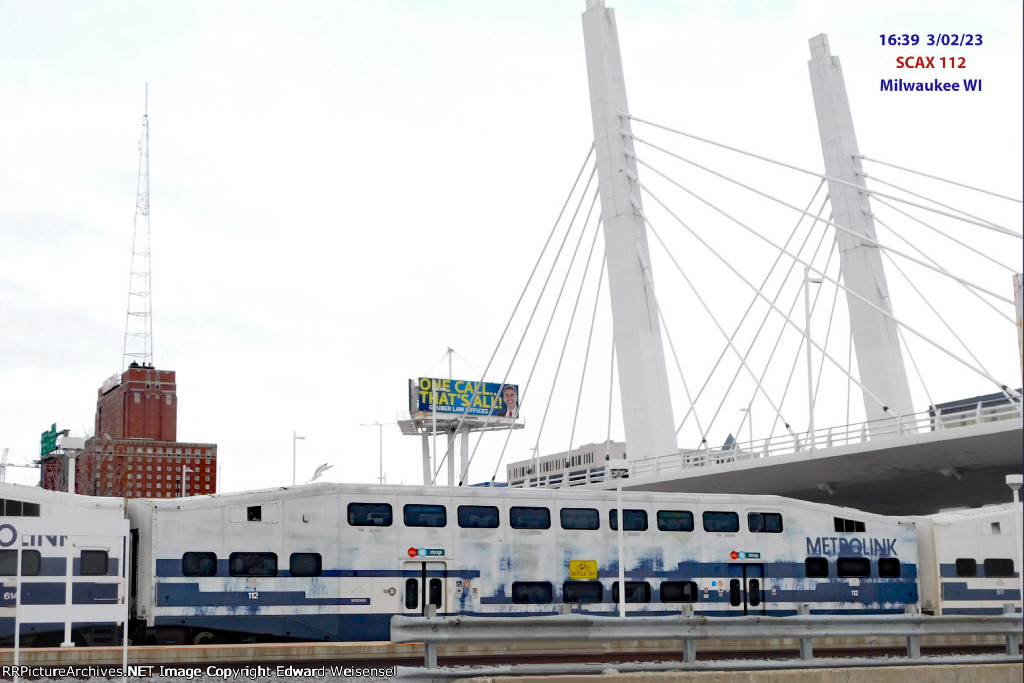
x=848, y=333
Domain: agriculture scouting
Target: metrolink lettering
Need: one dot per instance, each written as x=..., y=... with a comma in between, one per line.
x=9, y=536
x=38, y=541
x=935, y=85
x=832, y=545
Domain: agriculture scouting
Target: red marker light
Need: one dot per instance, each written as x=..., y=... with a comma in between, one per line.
x=412, y=552
x=734, y=554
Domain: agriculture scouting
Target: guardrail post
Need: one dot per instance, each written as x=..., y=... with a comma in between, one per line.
x=806, y=644
x=429, y=648
x=1012, y=644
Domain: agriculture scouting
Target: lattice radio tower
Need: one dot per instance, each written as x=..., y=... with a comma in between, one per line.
x=138, y=328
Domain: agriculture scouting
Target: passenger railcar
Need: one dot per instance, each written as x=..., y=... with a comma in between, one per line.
x=336, y=561
x=61, y=558
x=967, y=559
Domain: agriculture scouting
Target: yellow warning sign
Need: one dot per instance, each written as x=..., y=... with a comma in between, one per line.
x=582, y=569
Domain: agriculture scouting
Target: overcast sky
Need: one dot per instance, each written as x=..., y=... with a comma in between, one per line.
x=340, y=191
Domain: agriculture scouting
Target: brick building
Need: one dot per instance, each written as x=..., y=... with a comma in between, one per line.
x=135, y=452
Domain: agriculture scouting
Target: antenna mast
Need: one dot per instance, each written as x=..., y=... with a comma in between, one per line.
x=138, y=328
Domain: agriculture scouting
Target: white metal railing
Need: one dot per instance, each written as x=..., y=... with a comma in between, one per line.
x=830, y=437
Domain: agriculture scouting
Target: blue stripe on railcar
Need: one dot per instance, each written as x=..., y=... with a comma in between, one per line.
x=308, y=627
x=958, y=590
x=189, y=595
x=948, y=571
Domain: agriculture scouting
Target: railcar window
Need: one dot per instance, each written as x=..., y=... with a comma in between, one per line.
x=412, y=593
x=252, y=564
x=529, y=518
x=853, y=567
x=999, y=566
x=675, y=520
x=764, y=522
x=18, y=508
x=636, y=591
x=199, y=564
x=966, y=566
x=305, y=564
x=93, y=563
x=754, y=592
x=582, y=591
x=31, y=562
x=888, y=567
x=721, y=521
x=253, y=513
x=369, y=514
x=579, y=518
x=678, y=591
x=735, y=593
x=531, y=592
x=478, y=517
x=635, y=520
x=434, y=592
x=425, y=515
x=849, y=525
x=816, y=567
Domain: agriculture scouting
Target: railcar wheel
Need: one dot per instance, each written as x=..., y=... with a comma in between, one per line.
x=204, y=638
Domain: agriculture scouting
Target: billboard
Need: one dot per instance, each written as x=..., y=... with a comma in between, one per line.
x=462, y=397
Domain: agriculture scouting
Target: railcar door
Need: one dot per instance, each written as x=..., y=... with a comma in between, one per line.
x=746, y=588
x=425, y=584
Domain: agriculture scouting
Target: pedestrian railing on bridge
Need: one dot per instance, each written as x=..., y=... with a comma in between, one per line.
x=862, y=433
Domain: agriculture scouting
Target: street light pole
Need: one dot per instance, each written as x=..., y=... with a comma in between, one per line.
x=1015, y=481
x=295, y=437
x=380, y=442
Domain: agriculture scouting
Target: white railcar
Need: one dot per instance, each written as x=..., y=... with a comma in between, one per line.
x=336, y=561
x=61, y=559
x=968, y=561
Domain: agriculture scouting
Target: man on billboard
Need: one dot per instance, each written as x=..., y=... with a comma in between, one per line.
x=510, y=397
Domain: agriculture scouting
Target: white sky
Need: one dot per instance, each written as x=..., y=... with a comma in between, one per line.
x=342, y=190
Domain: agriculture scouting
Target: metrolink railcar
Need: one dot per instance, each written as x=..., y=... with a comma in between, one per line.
x=336, y=561
x=967, y=561
x=61, y=560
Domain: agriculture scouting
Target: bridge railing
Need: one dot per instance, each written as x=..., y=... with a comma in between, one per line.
x=689, y=629
x=894, y=427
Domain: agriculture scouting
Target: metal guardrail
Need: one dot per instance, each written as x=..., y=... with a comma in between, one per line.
x=860, y=433
x=689, y=629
